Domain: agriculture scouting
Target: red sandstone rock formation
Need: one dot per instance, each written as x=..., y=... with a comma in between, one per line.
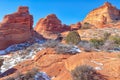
x=50, y=26
x=16, y=28
x=105, y=14
x=75, y=26
x=22, y=16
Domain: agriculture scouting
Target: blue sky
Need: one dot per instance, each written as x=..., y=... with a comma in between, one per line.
x=68, y=11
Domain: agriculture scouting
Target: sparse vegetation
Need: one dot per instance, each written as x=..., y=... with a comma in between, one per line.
x=63, y=49
x=86, y=25
x=28, y=76
x=85, y=72
x=73, y=38
x=86, y=45
x=115, y=39
x=106, y=36
x=51, y=44
x=1, y=62
x=97, y=43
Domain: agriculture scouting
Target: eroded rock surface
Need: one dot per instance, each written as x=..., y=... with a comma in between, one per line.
x=16, y=28
x=105, y=14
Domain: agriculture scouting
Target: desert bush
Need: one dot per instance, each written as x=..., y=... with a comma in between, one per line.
x=1, y=62
x=10, y=78
x=50, y=43
x=86, y=45
x=73, y=37
x=108, y=45
x=86, y=25
x=115, y=39
x=63, y=48
x=84, y=72
x=41, y=76
x=97, y=43
x=28, y=76
x=106, y=36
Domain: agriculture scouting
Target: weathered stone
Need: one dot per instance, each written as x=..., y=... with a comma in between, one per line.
x=16, y=28
x=105, y=14
x=50, y=26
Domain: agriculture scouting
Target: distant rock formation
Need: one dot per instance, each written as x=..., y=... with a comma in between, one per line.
x=16, y=28
x=22, y=16
x=50, y=26
x=105, y=14
x=75, y=26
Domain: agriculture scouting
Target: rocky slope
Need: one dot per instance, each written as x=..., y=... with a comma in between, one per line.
x=59, y=66
x=16, y=28
x=105, y=14
x=87, y=34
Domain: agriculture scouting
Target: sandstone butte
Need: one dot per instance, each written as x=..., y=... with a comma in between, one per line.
x=59, y=66
x=16, y=27
x=50, y=26
x=103, y=16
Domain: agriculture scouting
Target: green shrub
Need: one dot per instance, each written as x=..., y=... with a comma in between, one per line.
x=84, y=72
x=115, y=39
x=66, y=49
x=86, y=25
x=86, y=45
x=97, y=42
x=106, y=36
x=73, y=37
x=51, y=43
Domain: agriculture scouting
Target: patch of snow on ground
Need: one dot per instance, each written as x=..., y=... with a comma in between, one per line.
x=97, y=63
x=20, y=52
x=75, y=49
x=100, y=65
x=98, y=68
x=41, y=76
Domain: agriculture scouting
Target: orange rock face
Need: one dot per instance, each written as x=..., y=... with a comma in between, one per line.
x=50, y=26
x=22, y=16
x=105, y=14
x=15, y=28
x=49, y=23
x=75, y=26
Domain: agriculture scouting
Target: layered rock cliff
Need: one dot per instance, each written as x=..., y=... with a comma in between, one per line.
x=50, y=23
x=16, y=28
x=105, y=14
x=50, y=26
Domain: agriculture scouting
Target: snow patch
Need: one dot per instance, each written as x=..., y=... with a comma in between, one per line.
x=98, y=68
x=20, y=52
x=41, y=76
x=75, y=49
x=97, y=63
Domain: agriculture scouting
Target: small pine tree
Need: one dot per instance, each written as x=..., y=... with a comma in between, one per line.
x=73, y=38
